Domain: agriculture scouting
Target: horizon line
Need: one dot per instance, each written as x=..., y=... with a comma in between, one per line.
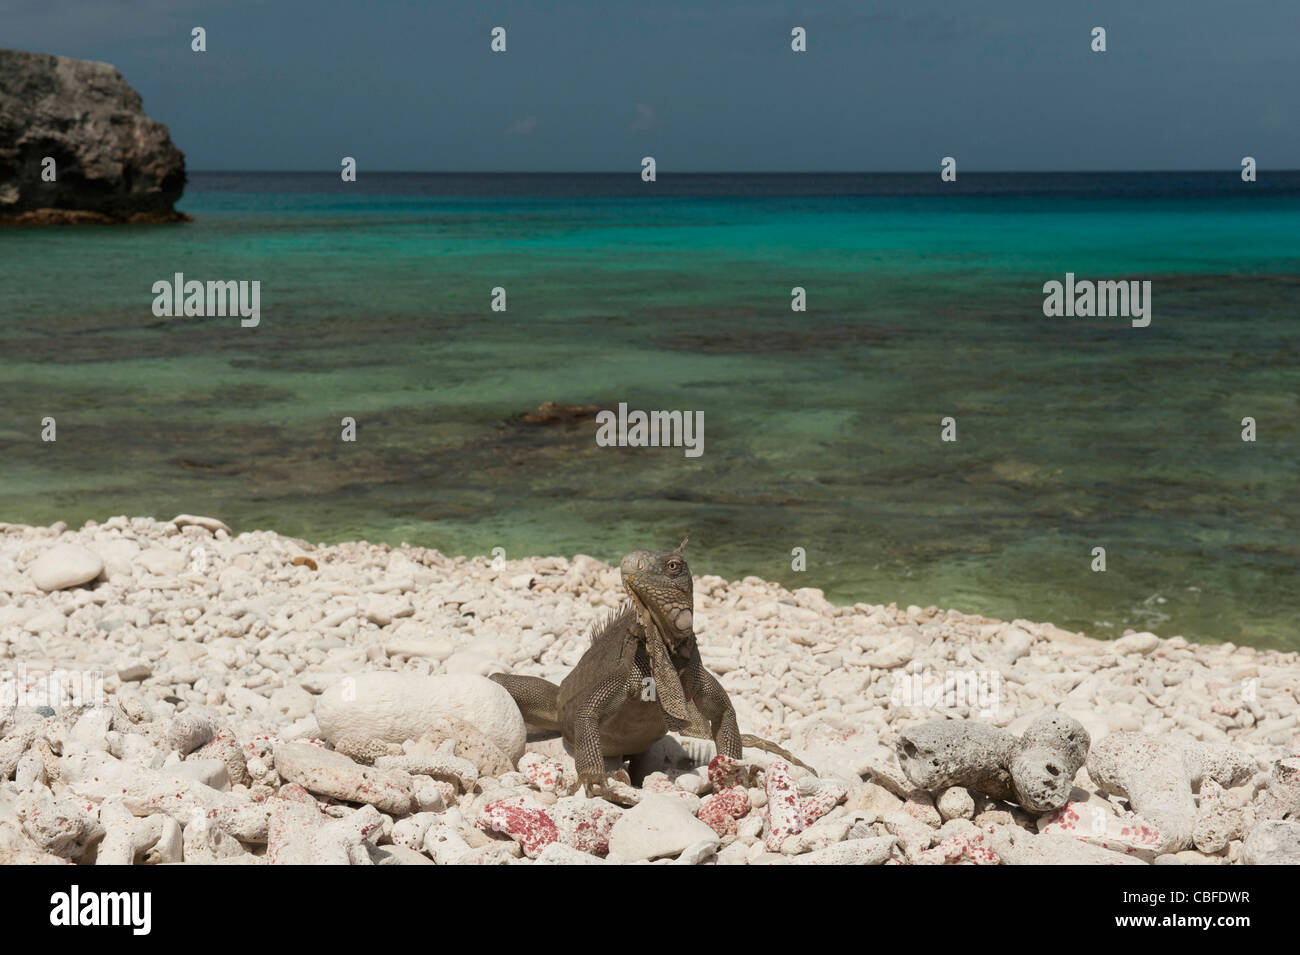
x=1230, y=170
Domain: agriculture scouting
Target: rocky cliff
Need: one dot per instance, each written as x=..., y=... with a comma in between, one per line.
x=112, y=163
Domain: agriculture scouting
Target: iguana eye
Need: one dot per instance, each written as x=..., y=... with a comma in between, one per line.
x=674, y=566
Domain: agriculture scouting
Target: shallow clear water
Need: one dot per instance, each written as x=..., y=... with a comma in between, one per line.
x=822, y=429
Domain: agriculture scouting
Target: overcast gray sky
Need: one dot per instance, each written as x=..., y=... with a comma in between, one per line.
x=707, y=85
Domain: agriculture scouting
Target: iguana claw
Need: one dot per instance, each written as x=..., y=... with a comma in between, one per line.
x=592, y=783
x=597, y=783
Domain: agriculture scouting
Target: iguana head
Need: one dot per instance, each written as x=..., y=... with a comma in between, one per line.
x=662, y=594
x=660, y=584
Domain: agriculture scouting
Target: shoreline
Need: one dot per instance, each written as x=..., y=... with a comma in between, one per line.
x=69, y=217
x=247, y=634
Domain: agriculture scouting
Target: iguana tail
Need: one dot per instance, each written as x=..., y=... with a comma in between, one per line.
x=767, y=746
x=537, y=699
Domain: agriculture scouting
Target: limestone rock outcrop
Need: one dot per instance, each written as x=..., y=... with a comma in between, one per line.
x=112, y=163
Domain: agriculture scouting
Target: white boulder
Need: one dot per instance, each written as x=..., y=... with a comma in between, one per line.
x=656, y=827
x=64, y=566
x=395, y=707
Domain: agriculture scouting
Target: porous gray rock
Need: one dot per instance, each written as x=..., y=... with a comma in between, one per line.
x=1051, y=751
x=112, y=162
x=1158, y=777
x=1273, y=842
x=943, y=753
x=1036, y=770
x=1282, y=798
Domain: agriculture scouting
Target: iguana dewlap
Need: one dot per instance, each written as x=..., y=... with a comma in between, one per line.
x=640, y=678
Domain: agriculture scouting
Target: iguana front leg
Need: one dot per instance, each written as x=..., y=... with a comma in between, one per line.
x=601, y=702
x=715, y=706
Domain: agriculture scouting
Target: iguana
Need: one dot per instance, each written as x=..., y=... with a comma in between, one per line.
x=640, y=678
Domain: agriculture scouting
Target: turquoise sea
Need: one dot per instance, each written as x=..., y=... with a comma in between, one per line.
x=821, y=429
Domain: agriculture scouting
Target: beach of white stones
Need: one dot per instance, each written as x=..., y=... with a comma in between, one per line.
x=170, y=692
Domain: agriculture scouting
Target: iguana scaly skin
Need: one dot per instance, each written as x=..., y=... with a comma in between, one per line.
x=640, y=678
